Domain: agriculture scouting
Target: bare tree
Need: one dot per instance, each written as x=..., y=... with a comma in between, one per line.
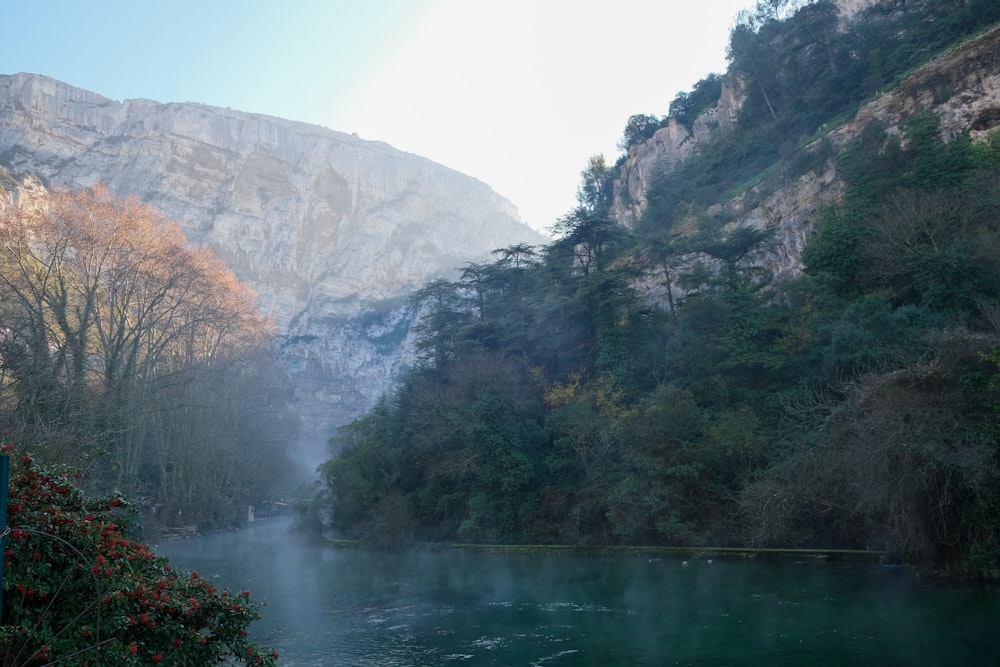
x=126, y=341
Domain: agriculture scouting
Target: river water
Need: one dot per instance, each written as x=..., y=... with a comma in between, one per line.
x=342, y=606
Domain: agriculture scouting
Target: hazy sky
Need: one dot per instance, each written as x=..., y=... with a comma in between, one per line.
x=517, y=93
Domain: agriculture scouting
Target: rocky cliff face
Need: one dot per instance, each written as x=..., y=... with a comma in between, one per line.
x=961, y=86
x=674, y=143
x=332, y=231
x=668, y=147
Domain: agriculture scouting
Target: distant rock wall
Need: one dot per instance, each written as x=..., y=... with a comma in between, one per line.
x=330, y=230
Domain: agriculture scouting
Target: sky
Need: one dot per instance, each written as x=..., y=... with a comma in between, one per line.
x=516, y=93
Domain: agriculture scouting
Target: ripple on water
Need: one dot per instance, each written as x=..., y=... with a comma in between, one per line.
x=352, y=607
x=579, y=607
x=489, y=643
x=545, y=659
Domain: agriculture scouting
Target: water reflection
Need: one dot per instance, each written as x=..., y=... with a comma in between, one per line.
x=328, y=606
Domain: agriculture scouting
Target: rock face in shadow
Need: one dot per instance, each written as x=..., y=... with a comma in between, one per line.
x=333, y=232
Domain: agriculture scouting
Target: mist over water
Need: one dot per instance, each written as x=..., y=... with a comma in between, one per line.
x=306, y=456
x=342, y=606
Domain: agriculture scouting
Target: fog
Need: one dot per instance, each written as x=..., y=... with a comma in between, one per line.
x=306, y=455
x=329, y=605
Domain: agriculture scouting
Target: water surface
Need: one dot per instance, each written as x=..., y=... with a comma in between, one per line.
x=342, y=606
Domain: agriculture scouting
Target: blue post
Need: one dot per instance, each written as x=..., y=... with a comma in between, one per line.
x=4, y=489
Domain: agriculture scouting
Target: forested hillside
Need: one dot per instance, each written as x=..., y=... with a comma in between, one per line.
x=656, y=385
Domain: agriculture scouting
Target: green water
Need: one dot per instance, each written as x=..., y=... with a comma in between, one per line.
x=336, y=606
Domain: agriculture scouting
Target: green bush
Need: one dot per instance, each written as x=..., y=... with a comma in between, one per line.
x=78, y=591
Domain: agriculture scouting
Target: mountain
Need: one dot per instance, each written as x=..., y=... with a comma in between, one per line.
x=333, y=232
x=961, y=86
x=782, y=330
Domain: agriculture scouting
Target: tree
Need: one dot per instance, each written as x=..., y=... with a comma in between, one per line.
x=687, y=105
x=588, y=238
x=639, y=128
x=445, y=316
x=907, y=462
x=749, y=55
x=596, y=191
x=657, y=386
x=118, y=338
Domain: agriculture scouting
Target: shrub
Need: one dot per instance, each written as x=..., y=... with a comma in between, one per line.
x=77, y=591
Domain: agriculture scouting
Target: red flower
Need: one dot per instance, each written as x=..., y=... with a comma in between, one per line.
x=157, y=657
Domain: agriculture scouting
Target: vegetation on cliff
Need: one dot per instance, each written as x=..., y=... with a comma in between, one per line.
x=798, y=76
x=656, y=386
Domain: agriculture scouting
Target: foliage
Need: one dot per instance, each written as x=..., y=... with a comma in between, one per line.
x=596, y=185
x=656, y=386
x=130, y=352
x=918, y=220
x=91, y=595
x=797, y=72
x=687, y=105
x=907, y=460
x=907, y=456
x=638, y=129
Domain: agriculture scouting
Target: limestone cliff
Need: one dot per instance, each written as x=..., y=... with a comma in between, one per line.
x=962, y=86
x=668, y=147
x=674, y=143
x=331, y=231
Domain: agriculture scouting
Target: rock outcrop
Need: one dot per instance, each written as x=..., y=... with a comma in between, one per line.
x=668, y=147
x=333, y=232
x=962, y=86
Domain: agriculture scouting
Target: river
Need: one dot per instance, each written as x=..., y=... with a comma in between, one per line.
x=341, y=606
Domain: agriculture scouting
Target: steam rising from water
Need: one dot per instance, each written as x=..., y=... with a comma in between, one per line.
x=307, y=455
x=337, y=606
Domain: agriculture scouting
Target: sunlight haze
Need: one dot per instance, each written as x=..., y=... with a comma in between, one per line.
x=518, y=94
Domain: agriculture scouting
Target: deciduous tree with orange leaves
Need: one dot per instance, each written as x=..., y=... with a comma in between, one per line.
x=127, y=350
